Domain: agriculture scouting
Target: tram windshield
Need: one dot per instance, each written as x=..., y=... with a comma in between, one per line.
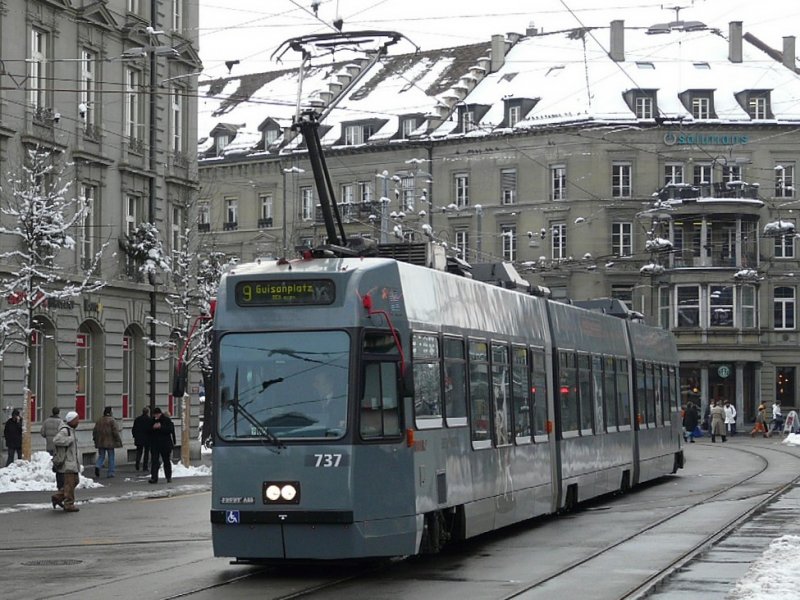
x=283, y=385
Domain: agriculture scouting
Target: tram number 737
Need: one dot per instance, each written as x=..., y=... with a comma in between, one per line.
x=324, y=461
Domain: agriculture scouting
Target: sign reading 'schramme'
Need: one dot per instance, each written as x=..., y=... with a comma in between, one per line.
x=704, y=139
x=285, y=292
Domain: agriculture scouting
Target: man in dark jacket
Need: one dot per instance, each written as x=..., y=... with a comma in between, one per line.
x=162, y=440
x=13, y=434
x=142, y=426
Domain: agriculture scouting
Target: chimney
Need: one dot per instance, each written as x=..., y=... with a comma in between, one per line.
x=789, y=52
x=532, y=29
x=617, y=51
x=735, y=42
x=498, y=52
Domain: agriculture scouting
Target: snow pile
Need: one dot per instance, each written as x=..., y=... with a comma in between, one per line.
x=779, y=228
x=658, y=245
x=35, y=475
x=773, y=575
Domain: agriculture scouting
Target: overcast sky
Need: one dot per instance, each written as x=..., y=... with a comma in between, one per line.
x=251, y=30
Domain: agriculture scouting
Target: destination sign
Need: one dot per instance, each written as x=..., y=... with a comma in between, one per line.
x=285, y=292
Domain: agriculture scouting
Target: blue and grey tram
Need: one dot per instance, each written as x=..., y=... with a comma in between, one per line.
x=365, y=407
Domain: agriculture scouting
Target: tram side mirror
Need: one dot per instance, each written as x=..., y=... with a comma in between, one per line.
x=179, y=381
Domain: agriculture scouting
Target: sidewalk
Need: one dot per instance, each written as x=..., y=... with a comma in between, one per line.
x=126, y=484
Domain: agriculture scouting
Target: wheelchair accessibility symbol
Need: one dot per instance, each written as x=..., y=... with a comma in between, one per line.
x=232, y=517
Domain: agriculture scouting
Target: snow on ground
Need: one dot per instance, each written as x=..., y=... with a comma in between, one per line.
x=37, y=475
x=774, y=575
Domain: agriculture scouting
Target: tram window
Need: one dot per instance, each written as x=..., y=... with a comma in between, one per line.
x=641, y=398
x=585, y=393
x=623, y=393
x=479, y=394
x=521, y=393
x=455, y=382
x=609, y=384
x=427, y=381
x=501, y=388
x=656, y=379
x=597, y=388
x=666, y=406
x=650, y=394
x=568, y=384
x=674, y=389
x=539, y=392
x=379, y=414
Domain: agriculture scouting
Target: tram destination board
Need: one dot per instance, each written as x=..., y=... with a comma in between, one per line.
x=285, y=292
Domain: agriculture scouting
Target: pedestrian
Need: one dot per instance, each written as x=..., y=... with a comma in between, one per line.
x=777, y=418
x=13, y=434
x=730, y=417
x=67, y=462
x=690, y=420
x=106, y=437
x=50, y=427
x=162, y=441
x=717, y=413
x=761, y=422
x=142, y=425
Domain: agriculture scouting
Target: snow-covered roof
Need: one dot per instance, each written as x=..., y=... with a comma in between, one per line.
x=557, y=78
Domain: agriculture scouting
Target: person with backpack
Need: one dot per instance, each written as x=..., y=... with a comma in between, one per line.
x=48, y=431
x=13, y=434
x=66, y=460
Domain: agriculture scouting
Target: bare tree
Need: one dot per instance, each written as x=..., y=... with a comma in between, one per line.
x=38, y=214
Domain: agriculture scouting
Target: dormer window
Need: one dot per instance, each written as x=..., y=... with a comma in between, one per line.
x=359, y=133
x=222, y=140
x=270, y=136
x=514, y=115
x=642, y=103
x=756, y=103
x=467, y=121
x=408, y=126
x=700, y=103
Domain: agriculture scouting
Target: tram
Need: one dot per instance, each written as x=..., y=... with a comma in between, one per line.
x=366, y=407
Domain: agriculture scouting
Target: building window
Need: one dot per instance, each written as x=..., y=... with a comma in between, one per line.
x=461, y=181
x=508, y=186
x=408, y=127
x=731, y=173
x=231, y=213
x=37, y=69
x=622, y=239
x=784, y=307
x=643, y=107
x=306, y=204
x=88, y=228
x=220, y=141
x=462, y=243
x=702, y=174
x=133, y=6
x=673, y=173
x=688, y=306
x=558, y=182
x=132, y=213
x=467, y=121
x=365, y=192
x=508, y=234
x=621, y=174
x=623, y=293
x=407, y=193
x=664, y=308
x=203, y=218
x=749, y=312
x=701, y=107
x=514, y=114
x=132, y=103
x=88, y=87
x=784, y=245
x=720, y=305
x=265, y=210
x=177, y=230
x=353, y=135
x=758, y=105
x=177, y=15
x=784, y=181
x=558, y=240
x=784, y=385
x=176, y=117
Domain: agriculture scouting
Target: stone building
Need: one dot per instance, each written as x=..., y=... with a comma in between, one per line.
x=653, y=165
x=108, y=88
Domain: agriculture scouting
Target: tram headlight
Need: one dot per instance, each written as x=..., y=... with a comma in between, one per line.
x=281, y=492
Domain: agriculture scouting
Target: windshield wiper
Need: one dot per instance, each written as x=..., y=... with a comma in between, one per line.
x=260, y=428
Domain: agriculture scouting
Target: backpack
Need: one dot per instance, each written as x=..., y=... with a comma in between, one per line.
x=60, y=455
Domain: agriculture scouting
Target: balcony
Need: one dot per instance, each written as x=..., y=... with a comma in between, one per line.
x=265, y=223
x=204, y=227
x=230, y=226
x=719, y=190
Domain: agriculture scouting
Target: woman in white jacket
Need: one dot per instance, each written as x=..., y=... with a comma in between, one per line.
x=730, y=417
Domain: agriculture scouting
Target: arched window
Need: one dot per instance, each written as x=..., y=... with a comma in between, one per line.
x=43, y=369
x=133, y=359
x=88, y=369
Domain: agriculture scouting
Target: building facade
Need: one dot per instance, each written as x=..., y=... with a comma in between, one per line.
x=599, y=161
x=108, y=89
